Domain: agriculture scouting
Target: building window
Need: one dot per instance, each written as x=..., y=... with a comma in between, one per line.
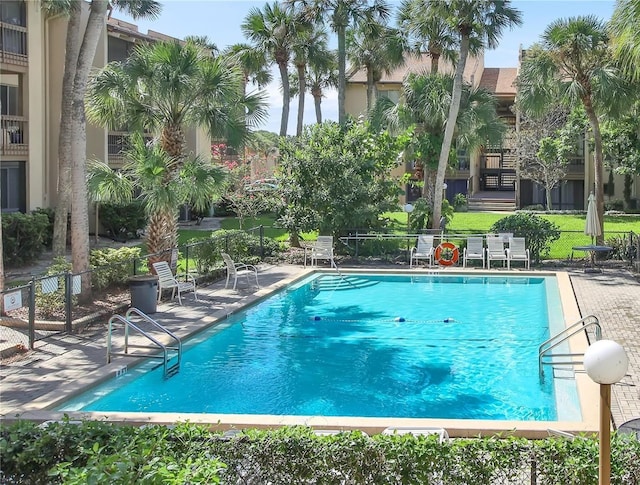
x=13, y=187
x=12, y=12
x=393, y=95
x=118, y=49
x=9, y=104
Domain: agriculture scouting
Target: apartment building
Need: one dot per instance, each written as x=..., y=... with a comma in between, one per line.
x=489, y=177
x=32, y=51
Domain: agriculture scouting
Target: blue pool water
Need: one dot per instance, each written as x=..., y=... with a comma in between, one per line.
x=363, y=345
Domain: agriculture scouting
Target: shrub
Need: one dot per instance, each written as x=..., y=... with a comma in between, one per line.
x=23, y=237
x=538, y=232
x=123, y=222
x=621, y=247
x=460, y=202
x=240, y=245
x=51, y=216
x=614, y=205
x=112, y=266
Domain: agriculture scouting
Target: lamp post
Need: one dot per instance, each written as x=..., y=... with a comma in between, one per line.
x=408, y=208
x=605, y=362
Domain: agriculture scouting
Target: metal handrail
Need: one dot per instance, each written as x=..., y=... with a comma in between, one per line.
x=581, y=325
x=158, y=345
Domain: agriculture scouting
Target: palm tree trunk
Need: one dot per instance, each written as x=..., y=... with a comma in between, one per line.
x=79, y=199
x=284, y=75
x=598, y=165
x=370, y=88
x=435, y=63
x=317, y=102
x=301, y=94
x=449, y=131
x=72, y=51
x=342, y=72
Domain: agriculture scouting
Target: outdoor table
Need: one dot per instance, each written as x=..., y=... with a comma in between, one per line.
x=592, y=249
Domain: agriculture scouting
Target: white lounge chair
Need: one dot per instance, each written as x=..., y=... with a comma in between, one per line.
x=423, y=251
x=518, y=252
x=418, y=431
x=167, y=281
x=474, y=250
x=322, y=249
x=238, y=269
x=496, y=251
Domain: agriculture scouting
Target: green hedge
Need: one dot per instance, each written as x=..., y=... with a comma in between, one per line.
x=23, y=237
x=94, y=452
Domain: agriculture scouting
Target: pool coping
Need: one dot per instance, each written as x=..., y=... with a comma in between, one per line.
x=40, y=409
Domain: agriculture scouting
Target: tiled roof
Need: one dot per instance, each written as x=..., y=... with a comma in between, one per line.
x=499, y=80
x=420, y=63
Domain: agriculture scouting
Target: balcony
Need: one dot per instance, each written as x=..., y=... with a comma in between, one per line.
x=13, y=44
x=13, y=136
x=117, y=144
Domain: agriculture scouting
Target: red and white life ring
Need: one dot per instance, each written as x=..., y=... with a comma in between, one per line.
x=447, y=254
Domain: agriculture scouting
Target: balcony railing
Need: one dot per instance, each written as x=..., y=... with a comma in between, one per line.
x=117, y=144
x=13, y=44
x=13, y=135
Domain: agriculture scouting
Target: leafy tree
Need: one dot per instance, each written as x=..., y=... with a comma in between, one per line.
x=477, y=25
x=166, y=88
x=573, y=66
x=274, y=31
x=538, y=231
x=340, y=14
x=623, y=27
x=253, y=62
x=335, y=178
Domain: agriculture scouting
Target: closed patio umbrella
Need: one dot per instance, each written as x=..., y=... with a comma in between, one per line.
x=592, y=226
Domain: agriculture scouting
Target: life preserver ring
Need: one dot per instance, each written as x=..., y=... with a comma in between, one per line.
x=447, y=254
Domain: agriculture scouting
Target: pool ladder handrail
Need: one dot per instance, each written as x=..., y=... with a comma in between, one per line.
x=128, y=323
x=581, y=325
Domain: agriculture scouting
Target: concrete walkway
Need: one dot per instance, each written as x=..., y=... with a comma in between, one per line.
x=66, y=363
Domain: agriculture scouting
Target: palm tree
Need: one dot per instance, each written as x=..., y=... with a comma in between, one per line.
x=253, y=62
x=304, y=48
x=340, y=14
x=376, y=48
x=81, y=44
x=323, y=74
x=626, y=35
x=424, y=108
x=273, y=31
x=166, y=88
x=476, y=22
x=162, y=182
x=573, y=65
x=427, y=32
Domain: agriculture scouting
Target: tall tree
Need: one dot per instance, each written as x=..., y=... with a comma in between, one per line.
x=574, y=65
x=626, y=35
x=479, y=23
x=322, y=74
x=166, y=88
x=253, y=62
x=81, y=45
x=273, y=31
x=340, y=14
x=377, y=49
x=305, y=47
x=427, y=32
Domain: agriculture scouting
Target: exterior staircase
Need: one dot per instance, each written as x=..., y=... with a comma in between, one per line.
x=492, y=201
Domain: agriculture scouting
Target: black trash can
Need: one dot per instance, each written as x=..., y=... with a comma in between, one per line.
x=144, y=293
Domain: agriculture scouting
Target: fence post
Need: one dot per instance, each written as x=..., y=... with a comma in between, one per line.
x=135, y=266
x=32, y=313
x=261, y=242
x=186, y=257
x=68, y=287
x=357, y=240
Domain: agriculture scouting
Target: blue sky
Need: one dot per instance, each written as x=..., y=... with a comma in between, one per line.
x=220, y=21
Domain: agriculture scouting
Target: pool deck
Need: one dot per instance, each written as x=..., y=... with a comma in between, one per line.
x=61, y=366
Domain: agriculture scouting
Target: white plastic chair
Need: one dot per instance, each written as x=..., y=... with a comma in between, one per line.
x=496, y=251
x=474, y=250
x=167, y=281
x=517, y=251
x=238, y=269
x=322, y=249
x=423, y=251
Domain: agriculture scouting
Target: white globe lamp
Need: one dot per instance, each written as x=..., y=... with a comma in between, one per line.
x=605, y=362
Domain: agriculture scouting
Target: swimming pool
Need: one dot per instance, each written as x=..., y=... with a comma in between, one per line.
x=367, y=345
